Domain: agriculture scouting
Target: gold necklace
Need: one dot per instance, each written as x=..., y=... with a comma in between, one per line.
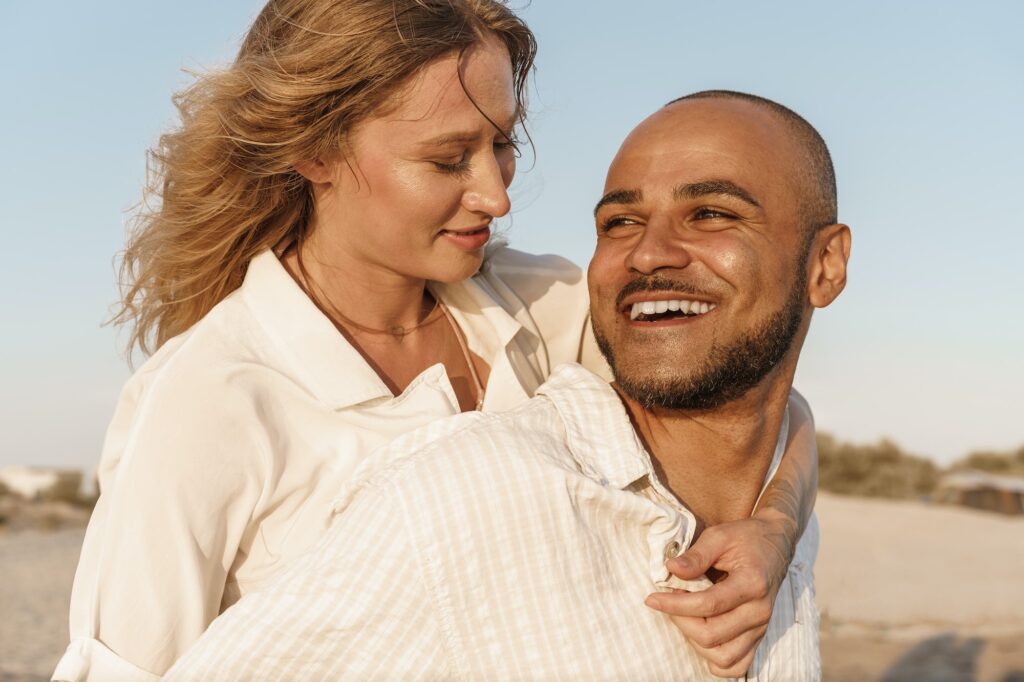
x=478, y=386
x=397, y=331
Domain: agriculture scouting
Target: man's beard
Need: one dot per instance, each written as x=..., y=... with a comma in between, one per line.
x=729, y=371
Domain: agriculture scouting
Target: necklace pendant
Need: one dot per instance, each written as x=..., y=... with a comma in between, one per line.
x=397, y=331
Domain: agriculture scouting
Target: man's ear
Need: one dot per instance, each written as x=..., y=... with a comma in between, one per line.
x=317, y=171
x=829, y=256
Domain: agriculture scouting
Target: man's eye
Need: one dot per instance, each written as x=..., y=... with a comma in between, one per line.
x=711, y=214
x=616, y=221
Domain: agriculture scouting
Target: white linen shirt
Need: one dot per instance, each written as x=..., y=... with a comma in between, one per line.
x=228, y=445
x=511, y=546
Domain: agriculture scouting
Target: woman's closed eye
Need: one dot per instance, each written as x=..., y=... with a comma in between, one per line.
x=454, y=167
x=461, y=165
x=507, y=143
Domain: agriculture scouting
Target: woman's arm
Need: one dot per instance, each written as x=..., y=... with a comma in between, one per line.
x=788, y=501
x=179, y=486
x=726, y=622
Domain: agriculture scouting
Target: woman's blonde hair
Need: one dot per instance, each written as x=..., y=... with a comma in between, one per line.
x=224, y=182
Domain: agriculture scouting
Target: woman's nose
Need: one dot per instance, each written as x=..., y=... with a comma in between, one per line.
x=488, y=190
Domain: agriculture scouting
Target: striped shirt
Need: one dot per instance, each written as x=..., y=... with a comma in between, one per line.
x=507, y=546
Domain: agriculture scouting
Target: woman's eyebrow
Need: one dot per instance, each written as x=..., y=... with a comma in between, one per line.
x=451, y=138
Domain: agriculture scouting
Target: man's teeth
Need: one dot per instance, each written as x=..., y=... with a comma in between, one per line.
x=679, y=305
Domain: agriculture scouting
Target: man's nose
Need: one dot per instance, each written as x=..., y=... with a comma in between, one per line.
x=660, y=246
x=487, y=192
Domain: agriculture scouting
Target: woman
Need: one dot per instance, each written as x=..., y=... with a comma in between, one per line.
x=315, y=282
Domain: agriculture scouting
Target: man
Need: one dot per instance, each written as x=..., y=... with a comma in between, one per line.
x=538, y=532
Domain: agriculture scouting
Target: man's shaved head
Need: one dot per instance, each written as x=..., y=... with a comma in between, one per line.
x=727, y=202
x=818, y=204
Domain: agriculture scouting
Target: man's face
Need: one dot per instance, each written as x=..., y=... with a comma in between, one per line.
x=698, y=282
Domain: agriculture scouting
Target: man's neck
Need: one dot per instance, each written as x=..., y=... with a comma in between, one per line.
x=715, y=461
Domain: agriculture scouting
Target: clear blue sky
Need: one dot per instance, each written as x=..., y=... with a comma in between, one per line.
x=921, y=102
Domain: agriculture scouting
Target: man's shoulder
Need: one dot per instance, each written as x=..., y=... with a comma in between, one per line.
x=465, y=452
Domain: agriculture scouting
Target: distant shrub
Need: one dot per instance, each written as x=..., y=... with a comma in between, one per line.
x=878, y=470
x=1001, y=463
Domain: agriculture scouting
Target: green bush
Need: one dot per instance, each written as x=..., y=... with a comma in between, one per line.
x=1001, y=463
x=878, y=470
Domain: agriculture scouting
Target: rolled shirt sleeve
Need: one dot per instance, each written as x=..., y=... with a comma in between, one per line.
x=180, y=481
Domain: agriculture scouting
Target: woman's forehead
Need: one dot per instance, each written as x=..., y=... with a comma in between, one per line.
x=437, y=97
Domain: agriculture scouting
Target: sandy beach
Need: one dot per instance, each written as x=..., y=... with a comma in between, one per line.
x=908, y=592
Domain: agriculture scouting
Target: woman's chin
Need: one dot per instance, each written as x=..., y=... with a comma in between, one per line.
x=461, y=267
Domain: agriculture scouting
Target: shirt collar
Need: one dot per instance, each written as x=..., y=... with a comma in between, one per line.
x=487, y=325
x=490, y=329
x=599, y=432
x=317, y=354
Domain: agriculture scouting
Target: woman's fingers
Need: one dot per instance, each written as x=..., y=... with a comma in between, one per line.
x=703, y=554
x=709, y=633
x=727, y=621
x=735, y=590
x=732, y=659
x=726, y=641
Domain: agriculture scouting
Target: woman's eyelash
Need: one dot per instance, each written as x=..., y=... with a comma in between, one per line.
x=508, y=143
x=457, y=168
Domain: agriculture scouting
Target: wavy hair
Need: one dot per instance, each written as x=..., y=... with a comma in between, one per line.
x=222, y=186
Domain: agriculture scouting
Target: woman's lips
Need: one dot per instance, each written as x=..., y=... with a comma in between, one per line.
x=468, y=240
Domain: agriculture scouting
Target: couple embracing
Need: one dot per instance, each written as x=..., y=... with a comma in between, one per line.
x=372, y=445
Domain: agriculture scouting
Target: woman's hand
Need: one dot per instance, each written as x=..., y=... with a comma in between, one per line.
x=726, y=622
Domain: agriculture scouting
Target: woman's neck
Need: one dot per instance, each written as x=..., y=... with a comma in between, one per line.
x=362, y=292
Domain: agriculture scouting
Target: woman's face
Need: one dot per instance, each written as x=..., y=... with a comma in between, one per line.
x=417, y=191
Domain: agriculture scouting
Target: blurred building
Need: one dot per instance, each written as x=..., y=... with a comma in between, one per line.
x=981, y=490
x=38, y=483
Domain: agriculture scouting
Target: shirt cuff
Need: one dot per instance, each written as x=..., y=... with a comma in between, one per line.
x=87, y=660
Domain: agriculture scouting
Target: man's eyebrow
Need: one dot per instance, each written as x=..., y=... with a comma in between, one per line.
x=620, y=196
x=695, y=190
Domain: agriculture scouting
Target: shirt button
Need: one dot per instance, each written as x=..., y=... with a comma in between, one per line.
x=671, y=550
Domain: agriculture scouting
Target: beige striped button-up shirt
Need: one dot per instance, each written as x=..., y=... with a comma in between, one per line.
x=508, y=546
x=229, y=445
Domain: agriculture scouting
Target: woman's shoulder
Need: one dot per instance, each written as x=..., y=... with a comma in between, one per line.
x=533, y=276
x=553, y=291
x=202, y=392
x=224, y=345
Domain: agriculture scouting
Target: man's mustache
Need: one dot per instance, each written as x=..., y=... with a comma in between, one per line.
x=658, y=283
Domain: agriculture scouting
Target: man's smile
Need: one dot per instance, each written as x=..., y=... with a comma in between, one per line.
x=666, y=309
